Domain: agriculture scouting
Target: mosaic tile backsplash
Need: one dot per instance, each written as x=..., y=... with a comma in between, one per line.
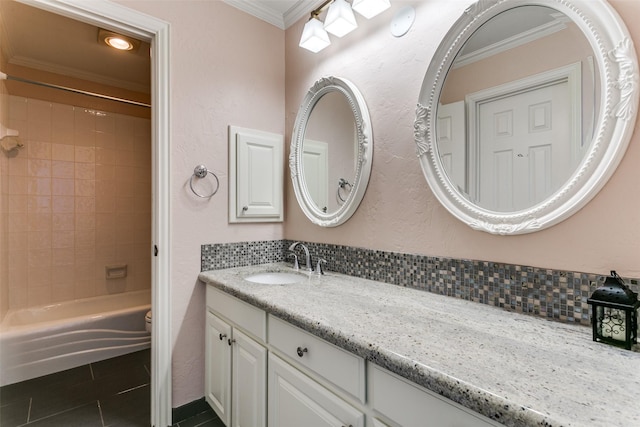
x=554, y=294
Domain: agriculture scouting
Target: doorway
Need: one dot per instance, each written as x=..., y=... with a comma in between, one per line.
x=117, y=18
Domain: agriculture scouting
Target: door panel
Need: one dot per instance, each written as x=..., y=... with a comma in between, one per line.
x=297, y=400
x=524, y=149
x=452, y=143
x=249, y=382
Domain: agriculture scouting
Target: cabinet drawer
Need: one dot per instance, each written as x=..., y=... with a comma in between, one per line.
x=344, y=369
x=410, y=405
x=247, y=317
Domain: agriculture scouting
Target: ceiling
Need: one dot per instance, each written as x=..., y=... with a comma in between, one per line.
x=28, y=41
x=35, y=38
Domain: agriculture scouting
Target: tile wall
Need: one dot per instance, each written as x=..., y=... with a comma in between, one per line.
x=552, y=294
x=79, y=199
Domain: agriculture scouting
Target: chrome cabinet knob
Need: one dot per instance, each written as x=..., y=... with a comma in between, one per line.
x=301, y=351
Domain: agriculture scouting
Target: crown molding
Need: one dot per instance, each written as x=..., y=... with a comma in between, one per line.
x=558, y=24
x=283, y=21
x=258, y=10
x=300, y=10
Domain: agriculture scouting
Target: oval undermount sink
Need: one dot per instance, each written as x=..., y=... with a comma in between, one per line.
x=275, y=278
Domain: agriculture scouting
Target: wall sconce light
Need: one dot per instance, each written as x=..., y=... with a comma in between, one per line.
x=614, y=314
x=314, y=36
x=370, y=8
x=340, y=20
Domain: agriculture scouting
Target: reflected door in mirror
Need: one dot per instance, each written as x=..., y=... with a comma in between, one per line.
x=525, y=143
x=330, y=150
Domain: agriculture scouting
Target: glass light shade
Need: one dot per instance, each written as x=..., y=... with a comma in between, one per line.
x=370, y=8
x=340, y=19
x=314, y=36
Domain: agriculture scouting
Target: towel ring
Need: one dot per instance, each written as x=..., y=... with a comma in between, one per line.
x=342, y=183
x=201, y=171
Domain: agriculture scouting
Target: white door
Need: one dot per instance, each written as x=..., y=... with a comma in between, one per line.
x=249, y=382
x=524, y=148
x=452, y=143
x=296, y=400
x=217, y=375
x=315, y=161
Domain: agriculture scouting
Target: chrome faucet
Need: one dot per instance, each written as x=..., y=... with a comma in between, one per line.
x=306, y=254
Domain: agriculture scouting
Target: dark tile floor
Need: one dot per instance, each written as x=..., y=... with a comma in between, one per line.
x=109, y=393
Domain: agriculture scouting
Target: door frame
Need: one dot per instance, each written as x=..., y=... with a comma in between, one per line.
x=571, y=73
x=115, y=17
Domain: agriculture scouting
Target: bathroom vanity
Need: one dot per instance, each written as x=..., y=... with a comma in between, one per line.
x=337, y=350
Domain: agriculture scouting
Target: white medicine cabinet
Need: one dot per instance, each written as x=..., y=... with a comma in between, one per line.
x=255, y=176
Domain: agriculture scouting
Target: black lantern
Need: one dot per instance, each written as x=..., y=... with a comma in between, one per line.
x=614, y=313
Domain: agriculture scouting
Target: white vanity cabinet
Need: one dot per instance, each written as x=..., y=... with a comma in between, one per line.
x=261, y=370
x=235, y=363
x=405, y=404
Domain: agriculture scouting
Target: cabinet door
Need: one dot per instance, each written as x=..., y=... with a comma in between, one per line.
x=249, y=382
x=218, y=367
x=297, y=400
x=255, y=176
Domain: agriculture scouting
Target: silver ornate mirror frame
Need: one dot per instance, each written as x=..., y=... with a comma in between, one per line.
x=364, y=151
x=618, y=68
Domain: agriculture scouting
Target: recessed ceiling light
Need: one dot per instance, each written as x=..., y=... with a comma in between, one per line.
x=117, y=41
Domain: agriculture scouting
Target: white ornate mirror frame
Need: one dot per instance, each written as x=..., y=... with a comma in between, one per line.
x=364, y=151
x=617, y=64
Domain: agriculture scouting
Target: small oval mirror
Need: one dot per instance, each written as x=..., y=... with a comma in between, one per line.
x=331, y=148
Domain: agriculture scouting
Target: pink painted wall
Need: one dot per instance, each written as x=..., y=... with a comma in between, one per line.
x=399, y=212
x=227, y=68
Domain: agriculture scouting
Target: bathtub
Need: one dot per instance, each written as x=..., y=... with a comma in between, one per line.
x=42, y=340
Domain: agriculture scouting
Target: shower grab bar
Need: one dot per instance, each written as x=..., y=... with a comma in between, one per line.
x=4, y=76
x=201, y=171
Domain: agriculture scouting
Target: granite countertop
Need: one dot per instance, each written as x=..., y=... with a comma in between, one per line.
x=517, y=369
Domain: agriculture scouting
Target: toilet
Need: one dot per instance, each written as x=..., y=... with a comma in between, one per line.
x=147, y=321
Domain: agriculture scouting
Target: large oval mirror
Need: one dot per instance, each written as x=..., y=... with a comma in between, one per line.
x=526, y=110
x=331, y=150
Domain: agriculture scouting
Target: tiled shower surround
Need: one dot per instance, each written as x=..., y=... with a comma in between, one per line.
x=553, y=294
x=79, y=199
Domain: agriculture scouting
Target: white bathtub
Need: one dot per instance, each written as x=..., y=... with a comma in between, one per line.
x=42, y=340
